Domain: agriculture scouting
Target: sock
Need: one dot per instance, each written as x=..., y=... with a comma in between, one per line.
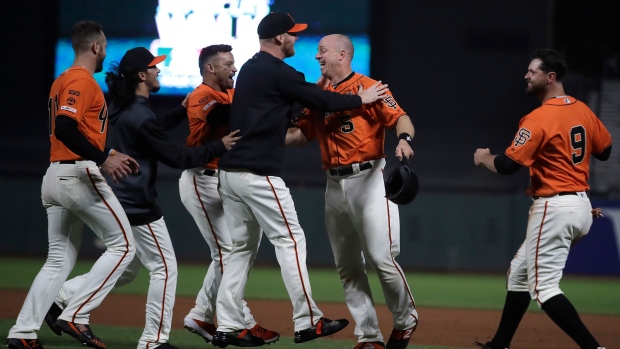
x=564, y=314
x=514, y=308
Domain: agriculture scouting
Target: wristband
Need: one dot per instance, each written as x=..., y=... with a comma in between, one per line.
x=406, y=137
x=111, y=152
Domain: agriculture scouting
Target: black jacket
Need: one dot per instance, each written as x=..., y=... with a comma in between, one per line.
x=265, y=92
x=139, y=133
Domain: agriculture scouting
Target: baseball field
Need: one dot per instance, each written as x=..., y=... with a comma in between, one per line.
x=455, y=310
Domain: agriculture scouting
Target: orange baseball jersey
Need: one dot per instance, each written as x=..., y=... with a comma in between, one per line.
x=352, y=136
x=76, y=94
x=200, y=103
x=555, y=141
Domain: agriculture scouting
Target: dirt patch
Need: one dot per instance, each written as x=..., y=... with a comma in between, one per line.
x=446, y=327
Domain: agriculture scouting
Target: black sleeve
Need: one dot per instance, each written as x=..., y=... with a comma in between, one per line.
x=505, y=165
x=312, y=96
x=66, y=130
x=173, y=155
x=604, y=155
x=171, y=118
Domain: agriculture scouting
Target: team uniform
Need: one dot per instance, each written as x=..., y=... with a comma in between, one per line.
x=555, y=141
x=256, y=199
x=139, y=133
x=75, y=192
x=362, y=225
x=198, y=190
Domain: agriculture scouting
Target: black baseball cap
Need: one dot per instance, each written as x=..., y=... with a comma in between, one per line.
x=277, y=23
x=138, y=59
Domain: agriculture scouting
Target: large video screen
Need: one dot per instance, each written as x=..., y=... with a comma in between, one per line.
x=180, y=28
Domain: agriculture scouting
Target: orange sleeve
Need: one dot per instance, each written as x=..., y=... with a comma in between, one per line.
x=75, y=99
x=527, y=143
x=602, y=138
x=387, y=111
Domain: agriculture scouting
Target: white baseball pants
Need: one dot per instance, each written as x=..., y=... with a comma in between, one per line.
x=253, y=203
x=554, y=223
x=364, y=230
x=74, y=194
x=154, y=251
x=201, y=199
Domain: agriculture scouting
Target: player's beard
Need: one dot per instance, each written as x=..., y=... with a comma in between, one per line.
x=535, y=89
x=289, y=48
x=99, y=66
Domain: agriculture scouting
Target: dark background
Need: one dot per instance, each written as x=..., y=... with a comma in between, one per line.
x=455, y=66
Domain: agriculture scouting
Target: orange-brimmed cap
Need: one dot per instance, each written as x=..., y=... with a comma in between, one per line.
x=277, y=23
x=138, y=59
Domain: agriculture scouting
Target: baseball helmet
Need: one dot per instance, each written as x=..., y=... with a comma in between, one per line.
x=401, y=183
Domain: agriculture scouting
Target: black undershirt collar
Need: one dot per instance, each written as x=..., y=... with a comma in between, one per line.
x=344, y=80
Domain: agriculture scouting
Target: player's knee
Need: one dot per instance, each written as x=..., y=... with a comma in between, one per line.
x=543, y=295
x=516, y=285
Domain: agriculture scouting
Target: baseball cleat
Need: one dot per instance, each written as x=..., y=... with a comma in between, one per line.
x=267, y=335
x=201, y=328
x=19, y=343
x=324, y=327
x=399, y=339
x=369, y=345
x=51, y=317
x=241, y=338
x=81, y=332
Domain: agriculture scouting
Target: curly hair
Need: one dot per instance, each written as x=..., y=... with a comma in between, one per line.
x=121, y=88
x=551, y=61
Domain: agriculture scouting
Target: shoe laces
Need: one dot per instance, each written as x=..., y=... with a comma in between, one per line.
x=319, y=326
x=242, y=333
x=259, y=329
x=33, y=343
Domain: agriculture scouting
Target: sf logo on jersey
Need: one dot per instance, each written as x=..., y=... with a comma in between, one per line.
x=390, y=102
x=522, y=136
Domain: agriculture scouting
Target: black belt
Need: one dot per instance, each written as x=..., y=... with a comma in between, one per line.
x=67, y=162
x=347, y=170
x=560, y=194
x=209, y=172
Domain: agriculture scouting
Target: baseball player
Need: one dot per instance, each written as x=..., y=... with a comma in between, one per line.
x=208, y=114
x=555, y=141
x=137, y=131
x=254, y=196
x=363, y=226
x=75, y=192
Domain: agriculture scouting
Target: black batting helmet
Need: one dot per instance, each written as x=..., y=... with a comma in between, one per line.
x=401, y=183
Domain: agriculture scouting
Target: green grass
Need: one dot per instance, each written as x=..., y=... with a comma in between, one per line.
x=589, y=295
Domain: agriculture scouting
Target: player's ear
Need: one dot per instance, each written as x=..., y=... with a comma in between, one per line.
x=142, y=76
x=279, y=39
x=551, y=76
x=210, y=68
x=95, y=47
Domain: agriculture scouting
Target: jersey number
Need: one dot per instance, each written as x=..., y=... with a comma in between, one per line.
x=578, y=142
x=103, y=117
x=52, y=109
x=346, y=125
